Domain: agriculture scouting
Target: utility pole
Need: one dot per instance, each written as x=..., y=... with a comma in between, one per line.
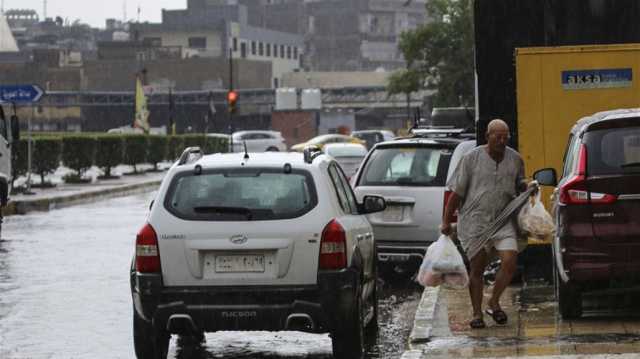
x=231, y=129
x=44, y=9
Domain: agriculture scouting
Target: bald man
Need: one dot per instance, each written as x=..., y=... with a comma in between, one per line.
x=484, y=182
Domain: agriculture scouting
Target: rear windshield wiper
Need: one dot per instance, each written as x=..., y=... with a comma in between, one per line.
x=220, y=209
x=631, y=164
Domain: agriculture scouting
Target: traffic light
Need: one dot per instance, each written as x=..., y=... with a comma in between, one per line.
x=232, y=98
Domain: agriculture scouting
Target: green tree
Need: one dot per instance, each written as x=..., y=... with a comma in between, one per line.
x=439, y=55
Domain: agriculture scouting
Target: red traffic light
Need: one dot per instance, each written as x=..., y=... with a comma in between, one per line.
x=232, y=96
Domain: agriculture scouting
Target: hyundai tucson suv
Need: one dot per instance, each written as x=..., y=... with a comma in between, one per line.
x=596, y=206
x=267, y=241
x=411, y=175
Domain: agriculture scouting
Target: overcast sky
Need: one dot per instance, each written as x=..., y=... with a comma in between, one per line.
x=94, y=12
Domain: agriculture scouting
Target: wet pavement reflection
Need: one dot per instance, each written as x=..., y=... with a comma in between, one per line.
x=609, y=325
x=64, y=293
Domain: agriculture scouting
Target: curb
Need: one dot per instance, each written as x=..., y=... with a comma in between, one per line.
x=46, y=204
x=425, y=315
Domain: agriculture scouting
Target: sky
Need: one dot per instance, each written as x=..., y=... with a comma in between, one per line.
x=95, y=12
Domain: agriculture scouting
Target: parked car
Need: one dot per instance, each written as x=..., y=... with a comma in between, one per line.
x=410, y=174
x=348, y=155
x=596, y=206
x=258, y=141
x=320, y=141
x=371, y=137
x=269, y=242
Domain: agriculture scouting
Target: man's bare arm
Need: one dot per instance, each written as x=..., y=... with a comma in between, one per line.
x=450, y=209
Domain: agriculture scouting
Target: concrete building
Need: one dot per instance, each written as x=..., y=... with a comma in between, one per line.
x=343, y=35
x=212, y=29
x=335, y=79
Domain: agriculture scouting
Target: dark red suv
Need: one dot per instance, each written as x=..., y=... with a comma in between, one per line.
x=596, y=205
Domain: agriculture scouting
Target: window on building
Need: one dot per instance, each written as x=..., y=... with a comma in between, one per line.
x=198, y=42
x=260, y=49
x=253, y=47
x=276, y=83
x=243, y=50
x=288, y=52
x=152, y=41
x=282, y=51
x=295, y=52
x=268, y=50
x=235, y=44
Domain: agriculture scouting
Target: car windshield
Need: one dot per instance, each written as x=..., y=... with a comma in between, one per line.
x=346, y=151
x=406, y=166
x=613, y=150
x=241, y=195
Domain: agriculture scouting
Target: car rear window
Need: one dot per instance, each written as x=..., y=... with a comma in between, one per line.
x=407, y=166
x=241, y=195
x=613, y=150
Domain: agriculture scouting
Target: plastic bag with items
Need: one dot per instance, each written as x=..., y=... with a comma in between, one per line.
x=534, y=220
x=443, y=265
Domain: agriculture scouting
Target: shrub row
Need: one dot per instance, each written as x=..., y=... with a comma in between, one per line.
x=80, y=152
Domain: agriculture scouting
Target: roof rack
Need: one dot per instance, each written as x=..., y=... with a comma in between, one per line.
x=189, y=155
x=311, y=152
x=442, y=132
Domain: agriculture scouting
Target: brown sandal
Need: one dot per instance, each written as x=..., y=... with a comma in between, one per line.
x=477, y=323
x=498, y=315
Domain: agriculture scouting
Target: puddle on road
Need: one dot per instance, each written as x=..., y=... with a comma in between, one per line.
x=398, y=300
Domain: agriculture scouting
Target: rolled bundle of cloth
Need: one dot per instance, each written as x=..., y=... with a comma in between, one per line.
x=506, y=215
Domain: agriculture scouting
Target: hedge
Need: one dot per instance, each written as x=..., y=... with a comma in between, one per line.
x=109, y=153
x=78, y=152
x=157, y=150
x=46, y=156
x=135, y=150
x=18, y=159
x=176, y=146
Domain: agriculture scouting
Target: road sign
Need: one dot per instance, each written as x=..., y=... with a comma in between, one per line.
x=20, y=93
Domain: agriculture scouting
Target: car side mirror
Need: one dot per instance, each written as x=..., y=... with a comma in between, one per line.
x=546, y=177
x=373, y=204
x=15, y=129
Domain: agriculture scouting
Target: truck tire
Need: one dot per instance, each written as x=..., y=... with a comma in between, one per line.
x=148, y=343
x=569, y=300
x=347, y=339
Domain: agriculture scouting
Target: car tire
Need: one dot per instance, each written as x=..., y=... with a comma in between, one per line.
x=148, y=343
x=569, y=299
x=273, y=149
x=347, y=339
x=372, y=326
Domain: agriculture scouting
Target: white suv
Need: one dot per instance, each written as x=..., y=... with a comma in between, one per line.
x=267, y=241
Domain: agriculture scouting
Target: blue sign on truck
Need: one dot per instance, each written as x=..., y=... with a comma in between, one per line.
x=597, y=78
x=20, y=93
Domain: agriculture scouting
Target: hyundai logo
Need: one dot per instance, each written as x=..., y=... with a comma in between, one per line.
x=238, y=239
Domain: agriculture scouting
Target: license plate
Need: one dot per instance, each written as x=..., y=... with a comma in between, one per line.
x=393, y=214
x=240, y=264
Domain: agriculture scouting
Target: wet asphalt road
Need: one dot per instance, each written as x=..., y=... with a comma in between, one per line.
x=64, y=293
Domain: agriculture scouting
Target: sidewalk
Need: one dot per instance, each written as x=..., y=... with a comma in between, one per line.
x=64, y=194
x=535, y=330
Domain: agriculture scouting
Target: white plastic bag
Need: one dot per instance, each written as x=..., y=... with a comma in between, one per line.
x=443, y=265
x=534, y=220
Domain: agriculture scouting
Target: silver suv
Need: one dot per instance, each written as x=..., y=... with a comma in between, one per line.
x=410, y=174
x=267, y=241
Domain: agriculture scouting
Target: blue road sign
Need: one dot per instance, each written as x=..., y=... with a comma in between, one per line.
x=20, y=93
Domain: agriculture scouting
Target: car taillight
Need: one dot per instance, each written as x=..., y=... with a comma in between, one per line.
x=574, y=191
x=447, y=196
x=147, y=254
x=333, y=247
